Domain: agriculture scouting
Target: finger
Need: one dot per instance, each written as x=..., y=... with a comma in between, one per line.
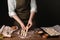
x=30, y=25
x=26, y=28
x=23, y=28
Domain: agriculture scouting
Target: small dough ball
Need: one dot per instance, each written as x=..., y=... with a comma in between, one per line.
x=40, y=32
x=45, y=36
x=14, y=27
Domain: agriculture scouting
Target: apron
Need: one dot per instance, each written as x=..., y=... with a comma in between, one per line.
x=23, y=11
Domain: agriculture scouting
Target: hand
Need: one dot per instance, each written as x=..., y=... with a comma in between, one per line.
x=29, y=24
x=27, y=28
x=22, y=26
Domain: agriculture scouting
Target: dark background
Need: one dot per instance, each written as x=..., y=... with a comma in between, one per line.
x=48, y=13
x=4, y=17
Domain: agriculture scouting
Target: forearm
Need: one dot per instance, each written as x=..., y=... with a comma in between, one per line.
x=17, y=19
x=31, y=15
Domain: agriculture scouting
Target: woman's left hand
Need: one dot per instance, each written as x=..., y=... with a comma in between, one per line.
x=29, y=24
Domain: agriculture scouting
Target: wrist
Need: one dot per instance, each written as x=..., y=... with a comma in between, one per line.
x=30, y=19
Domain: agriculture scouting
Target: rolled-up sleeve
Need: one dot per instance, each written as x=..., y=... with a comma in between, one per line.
x=33, y=6
x=11, y=7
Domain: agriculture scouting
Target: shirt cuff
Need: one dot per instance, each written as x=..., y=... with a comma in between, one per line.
x=12, y=14
x=33, y=10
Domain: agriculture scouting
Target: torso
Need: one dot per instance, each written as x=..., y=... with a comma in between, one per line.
x=22, y=10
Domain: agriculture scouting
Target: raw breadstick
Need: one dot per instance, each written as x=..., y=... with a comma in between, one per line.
x=24, y=33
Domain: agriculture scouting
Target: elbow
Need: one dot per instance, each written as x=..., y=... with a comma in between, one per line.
x=11, y=14
x=34, y=9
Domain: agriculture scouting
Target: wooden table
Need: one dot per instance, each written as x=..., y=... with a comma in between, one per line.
x=55, y=38
x=33, y=37
x=15, y=37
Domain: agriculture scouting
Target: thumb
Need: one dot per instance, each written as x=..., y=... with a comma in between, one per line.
x=28, y=24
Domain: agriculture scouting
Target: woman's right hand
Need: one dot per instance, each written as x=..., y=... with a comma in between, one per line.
x=22, y=26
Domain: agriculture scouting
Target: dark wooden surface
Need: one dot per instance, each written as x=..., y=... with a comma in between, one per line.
x=53, y=38
x=34, y=36
x=16, y=37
